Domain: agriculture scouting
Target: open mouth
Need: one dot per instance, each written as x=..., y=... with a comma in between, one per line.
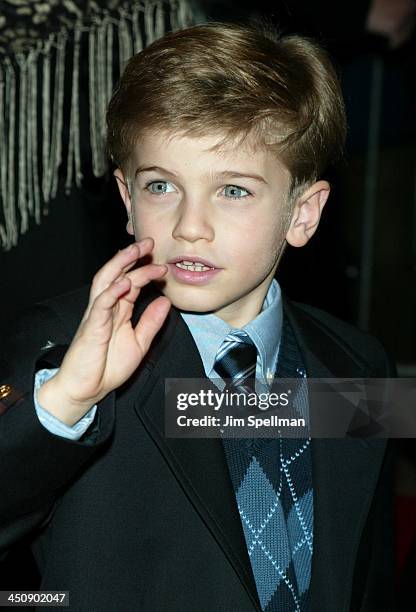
x=192, y=263
x=192, y=266
x=192, y=269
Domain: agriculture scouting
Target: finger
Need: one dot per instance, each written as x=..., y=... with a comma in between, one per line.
x=151, y=321
x=143, y=275
x=118, y=265
x=101, y=311
x=127, y=301
x=105, y=305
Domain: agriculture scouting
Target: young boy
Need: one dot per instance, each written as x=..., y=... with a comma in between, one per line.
x=220, y=134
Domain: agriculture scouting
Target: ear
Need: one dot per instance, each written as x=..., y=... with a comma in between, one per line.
x=125, y=196
x=307, y=213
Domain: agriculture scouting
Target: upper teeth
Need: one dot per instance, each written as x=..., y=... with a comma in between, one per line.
x=191, y=265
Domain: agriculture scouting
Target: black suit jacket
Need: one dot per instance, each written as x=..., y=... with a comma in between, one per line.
x=127, y=519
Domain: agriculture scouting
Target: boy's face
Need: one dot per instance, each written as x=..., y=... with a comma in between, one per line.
x=226, y=209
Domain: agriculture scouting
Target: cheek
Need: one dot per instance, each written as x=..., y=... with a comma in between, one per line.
x=255, y=244
x=272, y=231
x=147, y=225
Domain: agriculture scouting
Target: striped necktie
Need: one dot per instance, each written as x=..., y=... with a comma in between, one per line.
x=236, y=360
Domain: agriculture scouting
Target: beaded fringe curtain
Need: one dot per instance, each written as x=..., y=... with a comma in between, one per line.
x=42, y=47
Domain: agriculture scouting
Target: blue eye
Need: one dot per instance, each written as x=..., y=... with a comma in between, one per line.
x=235, y=193
x=159, y=187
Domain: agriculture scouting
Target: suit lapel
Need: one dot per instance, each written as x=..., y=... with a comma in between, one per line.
x=199, y=465
x=345, y=473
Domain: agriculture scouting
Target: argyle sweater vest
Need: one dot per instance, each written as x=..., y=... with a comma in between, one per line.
x=272, y=481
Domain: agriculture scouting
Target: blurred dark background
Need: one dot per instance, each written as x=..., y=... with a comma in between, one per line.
x=361, y=264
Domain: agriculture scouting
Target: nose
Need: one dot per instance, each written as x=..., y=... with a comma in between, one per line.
x=193, y=221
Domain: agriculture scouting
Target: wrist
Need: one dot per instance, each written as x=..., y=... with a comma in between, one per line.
x=53, y=398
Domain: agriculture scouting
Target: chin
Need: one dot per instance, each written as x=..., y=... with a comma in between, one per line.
x=192, y=303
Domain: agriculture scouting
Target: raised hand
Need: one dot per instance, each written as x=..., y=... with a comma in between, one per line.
x=106, y=348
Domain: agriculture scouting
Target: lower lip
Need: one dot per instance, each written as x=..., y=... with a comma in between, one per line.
x=192, y=278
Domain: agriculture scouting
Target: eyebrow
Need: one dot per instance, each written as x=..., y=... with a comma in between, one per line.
x=233, y=174
x=215, y=175
x=153, y=169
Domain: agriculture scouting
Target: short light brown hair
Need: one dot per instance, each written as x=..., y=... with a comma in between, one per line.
x=236, y=81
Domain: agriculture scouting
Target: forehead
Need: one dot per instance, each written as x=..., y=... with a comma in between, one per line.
x=196, y=155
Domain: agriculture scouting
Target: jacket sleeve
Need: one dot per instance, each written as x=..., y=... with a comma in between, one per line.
x=36, y=464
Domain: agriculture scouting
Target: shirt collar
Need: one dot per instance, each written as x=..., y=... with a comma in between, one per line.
x=209, y=332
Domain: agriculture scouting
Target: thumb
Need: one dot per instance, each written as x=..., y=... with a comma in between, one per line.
x=151, y=321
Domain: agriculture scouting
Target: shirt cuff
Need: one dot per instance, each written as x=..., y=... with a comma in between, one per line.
x=50, y=422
